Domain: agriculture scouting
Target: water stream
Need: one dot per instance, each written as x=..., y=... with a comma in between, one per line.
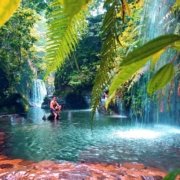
x=38, y=93
x=157, y=19
x=155, y=141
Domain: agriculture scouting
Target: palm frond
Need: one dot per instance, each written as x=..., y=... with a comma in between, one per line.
x=73, y=7
x=114, y=47
x=65, y=28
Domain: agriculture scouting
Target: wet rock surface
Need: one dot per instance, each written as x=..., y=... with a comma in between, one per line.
x=21, y=169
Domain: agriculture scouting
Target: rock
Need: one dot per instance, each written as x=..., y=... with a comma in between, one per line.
x=2, y=157
x=21, y=169
x=152, y=177
x=133, y=165
x=6, y=166
x=44, y=117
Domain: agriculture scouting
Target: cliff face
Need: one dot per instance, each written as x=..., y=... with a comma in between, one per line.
x=158, y=19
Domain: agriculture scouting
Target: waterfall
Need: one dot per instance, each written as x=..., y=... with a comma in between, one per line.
x=38, y=92
x=164, y=107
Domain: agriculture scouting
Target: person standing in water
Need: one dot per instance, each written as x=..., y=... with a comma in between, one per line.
x=55, y=107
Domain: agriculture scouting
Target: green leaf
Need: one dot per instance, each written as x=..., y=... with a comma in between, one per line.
x=176, y=45
x=156, y=56
x=108, y=53
x=178, y=3
x=64, y=33
x=150, y=48
x=72, y=7
x=123, y=75
x=7, y=8
x=172, y=175
x=161, y=78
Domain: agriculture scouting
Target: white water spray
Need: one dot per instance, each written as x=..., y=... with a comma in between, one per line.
x=38, y=93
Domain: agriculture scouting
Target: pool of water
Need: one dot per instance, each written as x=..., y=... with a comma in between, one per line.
x=112, y=139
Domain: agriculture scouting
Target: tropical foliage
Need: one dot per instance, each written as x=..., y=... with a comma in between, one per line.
x=15, y=47
x=117, y=36
x=138, y=58
x=17, y=54
x=66, y=24
x=37, y=5
x=114, y=68
x=172, y=175
x=78, y=72
x=67, y=21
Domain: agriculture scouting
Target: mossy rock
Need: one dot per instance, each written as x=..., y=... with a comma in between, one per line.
x=15, y=103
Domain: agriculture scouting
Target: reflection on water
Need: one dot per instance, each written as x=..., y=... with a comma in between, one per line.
x=111, y=140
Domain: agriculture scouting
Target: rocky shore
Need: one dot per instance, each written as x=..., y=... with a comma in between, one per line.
x=19, y=169
x=12, y=169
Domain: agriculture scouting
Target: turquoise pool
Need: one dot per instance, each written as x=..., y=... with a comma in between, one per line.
x=112, y=139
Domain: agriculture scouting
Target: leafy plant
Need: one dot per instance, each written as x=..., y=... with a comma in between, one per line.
x=161, y=78
x=111, y=30
x=137, y=59
x=108, y=52
x=150, y=48
x=66, y=24
x=172, y=175
x=124, y=74
x=64, y=31
x=78, y=71
x=16, y=42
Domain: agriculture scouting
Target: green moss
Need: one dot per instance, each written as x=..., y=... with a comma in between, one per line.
x=15, y=103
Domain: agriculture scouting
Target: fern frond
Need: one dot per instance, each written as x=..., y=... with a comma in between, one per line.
x=108, y=52
x=117, y=40
x=73, y=7
x=64, y=31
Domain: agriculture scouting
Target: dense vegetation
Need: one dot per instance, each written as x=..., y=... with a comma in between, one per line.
x=70, y=39
x=120, y=35
x=18, y=57
x=77, y=74
x=87, y=54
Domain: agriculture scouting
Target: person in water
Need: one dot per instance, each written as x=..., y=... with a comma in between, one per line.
x=55, y=107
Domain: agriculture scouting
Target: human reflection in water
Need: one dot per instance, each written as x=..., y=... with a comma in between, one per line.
x=69, y=115
x=17, y=119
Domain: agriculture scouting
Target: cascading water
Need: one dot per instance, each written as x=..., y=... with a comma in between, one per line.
x=38, y=92
x=158, y=19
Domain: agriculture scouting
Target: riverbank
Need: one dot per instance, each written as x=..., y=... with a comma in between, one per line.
x=22, y=169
